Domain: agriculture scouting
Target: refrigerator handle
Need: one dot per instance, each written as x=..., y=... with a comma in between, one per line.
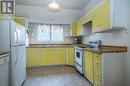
x=17, y=48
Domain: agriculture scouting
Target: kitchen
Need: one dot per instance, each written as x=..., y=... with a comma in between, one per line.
x=65, y=42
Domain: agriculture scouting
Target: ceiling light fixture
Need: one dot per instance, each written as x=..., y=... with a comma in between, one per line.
x=54, y=7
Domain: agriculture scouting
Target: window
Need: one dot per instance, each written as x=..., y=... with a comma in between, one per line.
x=50, y=33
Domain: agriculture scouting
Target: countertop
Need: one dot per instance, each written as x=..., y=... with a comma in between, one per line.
x=108, y=49
x=103, y=49
x=51, y=46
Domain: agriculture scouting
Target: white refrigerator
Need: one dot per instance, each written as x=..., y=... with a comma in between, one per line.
x=17, y=43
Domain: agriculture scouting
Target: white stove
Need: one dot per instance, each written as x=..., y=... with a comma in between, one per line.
x=79, y=59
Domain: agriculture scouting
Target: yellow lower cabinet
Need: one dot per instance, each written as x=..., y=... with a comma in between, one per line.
x=97, y=70
x=91, y=71
x=61, y=56
x=51, y=56
x=32, y=57
x=71, y=56
x=88, y=64
x=43, y=56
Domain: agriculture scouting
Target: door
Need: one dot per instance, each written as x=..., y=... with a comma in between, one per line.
x=4, y=37
x=18, y=61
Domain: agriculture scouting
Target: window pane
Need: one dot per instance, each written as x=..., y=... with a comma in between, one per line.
x=57, y=33
x=43, y=33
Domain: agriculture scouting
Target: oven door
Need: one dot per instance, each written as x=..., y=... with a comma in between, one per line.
x=78, y=56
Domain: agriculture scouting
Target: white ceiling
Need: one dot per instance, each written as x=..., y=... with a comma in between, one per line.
x=41, y=14
x=65, y=4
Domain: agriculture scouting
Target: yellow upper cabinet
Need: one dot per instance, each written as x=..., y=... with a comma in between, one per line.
x=101, y=17
x=74, y=28
x=21, y=21
x=107, y=15
x=82, y=21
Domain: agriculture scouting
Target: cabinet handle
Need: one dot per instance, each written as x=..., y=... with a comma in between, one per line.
x=96, y=84
x=97, y=63
x=96, y=74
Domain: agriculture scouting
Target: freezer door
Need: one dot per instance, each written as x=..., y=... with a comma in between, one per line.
x=18, y=34
x=18, y=62
x=4, y=37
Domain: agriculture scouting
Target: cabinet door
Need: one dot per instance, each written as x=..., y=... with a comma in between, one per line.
x=91, y=70
x=71, y=56
x=101, y=18
x=97, y=70
x=61, y=55
x=74, y=28
x=88, y=63
x=43, y=56
x=97, y=20
x=51, y=56
x=32, y=57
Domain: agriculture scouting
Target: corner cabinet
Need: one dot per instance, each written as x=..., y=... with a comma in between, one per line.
x=105, y=69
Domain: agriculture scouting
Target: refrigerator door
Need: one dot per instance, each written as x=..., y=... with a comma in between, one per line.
x=18, y=35
x=18, y=59
x=4, y=37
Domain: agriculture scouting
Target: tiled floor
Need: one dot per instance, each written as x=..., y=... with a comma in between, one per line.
x=55, y=76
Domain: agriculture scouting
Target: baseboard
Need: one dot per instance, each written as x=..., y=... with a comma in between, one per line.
x=49, y=66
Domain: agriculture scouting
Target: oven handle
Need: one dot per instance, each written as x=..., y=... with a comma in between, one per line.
x=78, y=64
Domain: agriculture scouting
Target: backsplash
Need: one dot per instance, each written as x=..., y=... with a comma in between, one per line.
x=108, y=38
